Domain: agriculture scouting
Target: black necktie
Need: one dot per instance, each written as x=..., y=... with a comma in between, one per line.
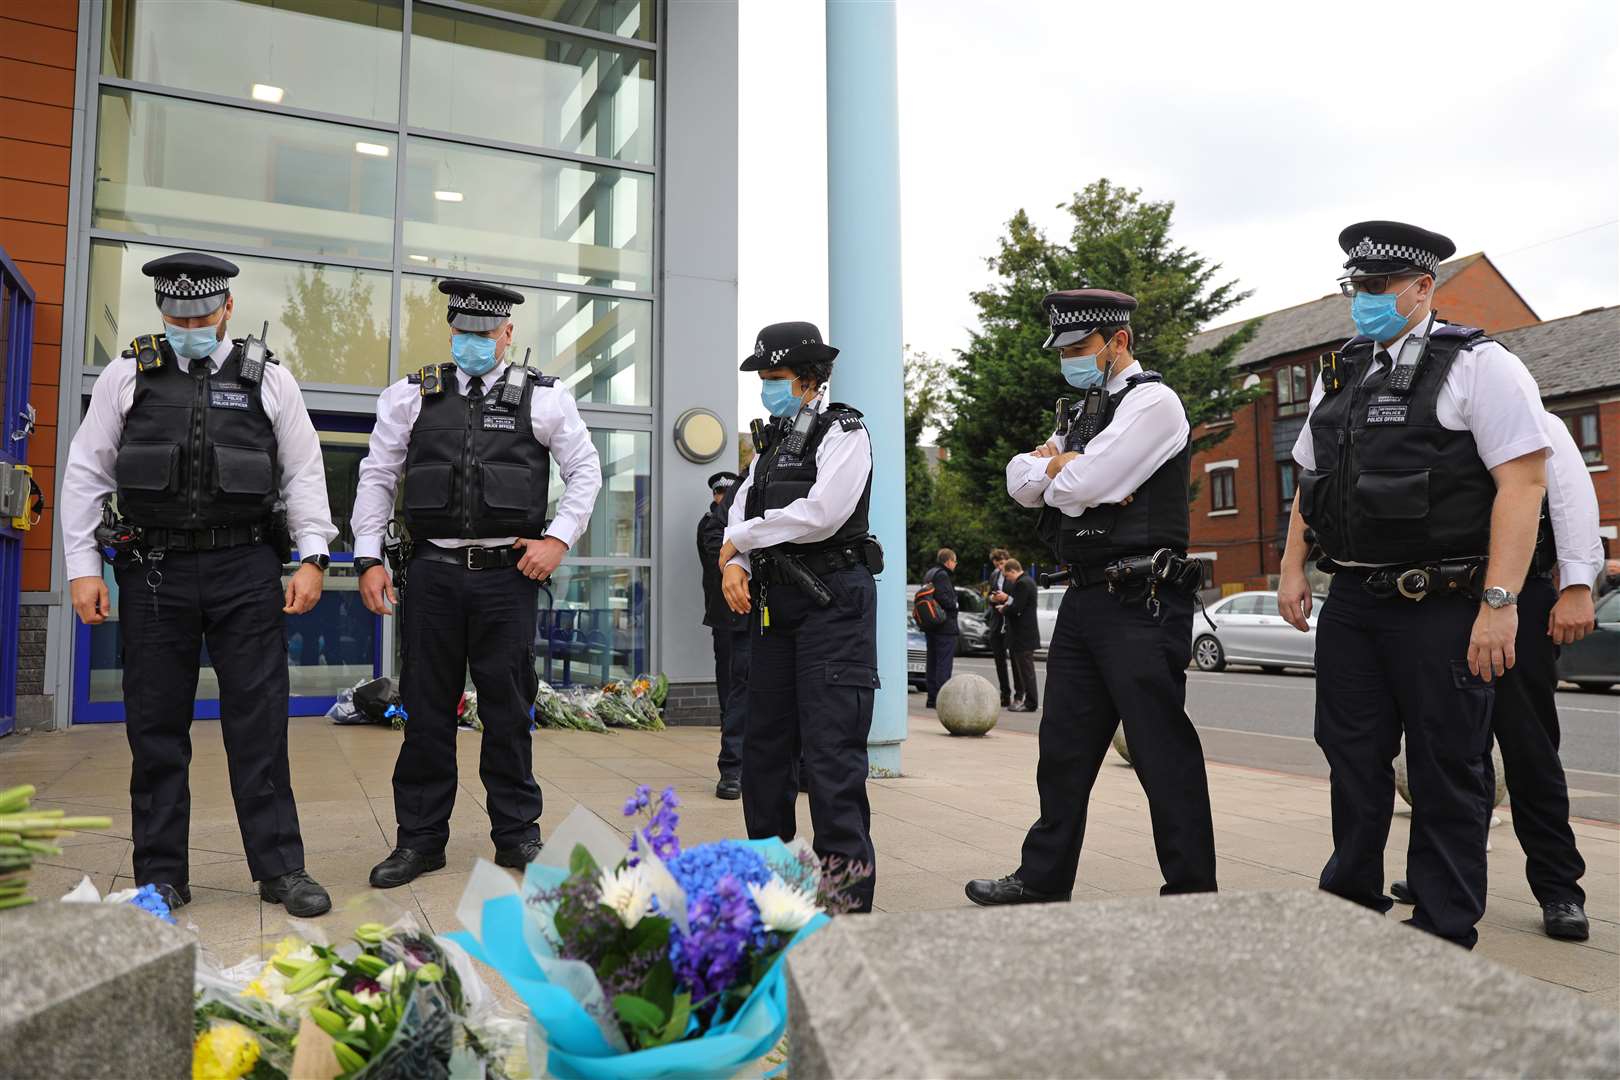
x=475, y=389
x=1386, y=363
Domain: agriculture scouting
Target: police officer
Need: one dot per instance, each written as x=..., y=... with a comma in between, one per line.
x=205, y=440
x=799, y=558
x=1113, y=493
x=474, y=438
x=1525, y=719
x=1423, y=454
x=730, y=633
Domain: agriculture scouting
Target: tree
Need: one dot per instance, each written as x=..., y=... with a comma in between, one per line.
x=334, y=336
x=1005, y=384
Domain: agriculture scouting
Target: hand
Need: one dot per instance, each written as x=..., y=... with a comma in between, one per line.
x=1294, y=598
x=728, y=551
x=540, y=557
x=734, y=584
x=1055, y=466
x=998, y=597
x=377, y=591
x=1490, y=646
x=90, y=600
x=1572, y=617
x=1046, y=449
x=304, y=590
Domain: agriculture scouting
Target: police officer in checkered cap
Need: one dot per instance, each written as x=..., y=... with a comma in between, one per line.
x=471, y=438
x=1422, y=476
x=205, y=441
x=729, y=633
x=1111, y=485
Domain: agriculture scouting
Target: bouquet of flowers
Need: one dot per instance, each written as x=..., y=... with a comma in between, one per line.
x=564, y=709
x=651, y=960
x=147, y=898
x=629, y=706
x=29, y=834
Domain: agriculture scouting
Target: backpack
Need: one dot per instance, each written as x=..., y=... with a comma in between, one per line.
x=925, y=608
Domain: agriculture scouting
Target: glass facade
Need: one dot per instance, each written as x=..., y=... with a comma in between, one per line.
x=347, y=155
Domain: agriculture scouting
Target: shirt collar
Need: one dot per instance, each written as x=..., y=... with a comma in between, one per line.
x=221, y=353
x=1394, y=347
x=1117, y=382
x=490, y=377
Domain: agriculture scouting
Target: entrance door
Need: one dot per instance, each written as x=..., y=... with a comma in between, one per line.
x=16, y=425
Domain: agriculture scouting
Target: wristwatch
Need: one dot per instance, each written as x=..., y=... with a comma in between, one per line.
x=1498, y=597
x=363, y=564
x=319, y=562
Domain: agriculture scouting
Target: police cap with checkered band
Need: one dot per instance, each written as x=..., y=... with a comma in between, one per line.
x=190, y=284
x=785, y=343
x=1074, y=314
x=722, y=481
x=1378, y=248
x=476, y=307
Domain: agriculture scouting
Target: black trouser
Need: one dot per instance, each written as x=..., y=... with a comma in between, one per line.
x=456, y=619
x=231, y=599
x=1111, y=662
x=998, y=649
x=1024, y=676
x=1384, y=667
x=941, y=656
x=812, y=677
x=731, y=685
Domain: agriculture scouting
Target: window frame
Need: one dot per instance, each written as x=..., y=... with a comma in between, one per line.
x=1219, y=479
x=1294, y=405
x=1591, y=453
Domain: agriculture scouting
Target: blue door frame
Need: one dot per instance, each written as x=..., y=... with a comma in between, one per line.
x=16, y=425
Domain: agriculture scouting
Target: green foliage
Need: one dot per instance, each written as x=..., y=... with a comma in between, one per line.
x=335, y=337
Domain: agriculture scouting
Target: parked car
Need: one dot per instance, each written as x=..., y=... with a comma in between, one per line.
x=1047, y=602
x=916, y=655
x=970, y=620
x=1248, y=630
x=1593, y=663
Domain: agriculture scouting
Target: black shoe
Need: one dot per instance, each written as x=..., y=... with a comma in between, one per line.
x=1029, y=707
x=1006, y=702
x=299, y=893
x=1402, y=892
x=1565, y=920
x=928, y=704
x=403, y=867
x=1008, y=890
x=176, y=896
x=729, y=788
x=521, y=856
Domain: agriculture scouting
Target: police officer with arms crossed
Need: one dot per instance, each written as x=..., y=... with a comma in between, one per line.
x=201, y=437
x=799, y=557
x=1424, y=452
x=1525, y=719
x=1113, y=493
x=474, y=438
x=730, y=633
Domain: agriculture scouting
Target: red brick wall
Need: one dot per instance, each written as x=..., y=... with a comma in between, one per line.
x=38, y=47
x=1478, y=295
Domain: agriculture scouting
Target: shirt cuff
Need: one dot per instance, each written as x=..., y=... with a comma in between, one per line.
x=312, y=544
x=741, y=559
x=367, y=547
x=737, y=536
x=1578, y=573
x=565, y=529
x=84, y=564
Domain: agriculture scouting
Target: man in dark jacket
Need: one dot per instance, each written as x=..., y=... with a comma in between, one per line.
x=1022, y=632
x=997, y=625
x=941, y=639
x=730, y=632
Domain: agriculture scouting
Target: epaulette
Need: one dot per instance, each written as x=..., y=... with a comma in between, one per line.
x=848, y=416
x=543, y=380
x=431, y=379
x=149, y=351
x=1470, y=336
x=1144, y=377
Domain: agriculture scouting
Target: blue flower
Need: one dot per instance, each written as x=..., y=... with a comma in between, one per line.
x=147, y=898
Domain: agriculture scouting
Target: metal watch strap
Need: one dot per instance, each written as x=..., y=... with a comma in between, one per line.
x=1498, y=597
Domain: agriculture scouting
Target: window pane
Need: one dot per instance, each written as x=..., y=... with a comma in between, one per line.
x=328, y=324
x=600, y=347
x=1589, y=429
x=1286, y=478
x=1302, y=389
x=333, y=645
x=341, y=453
x=470, y=210
x=1285, y=387
x=627, y=18
x=337, y=56
x=621, y=523
x=166, y=167
x=597, y=630
x=554, y=91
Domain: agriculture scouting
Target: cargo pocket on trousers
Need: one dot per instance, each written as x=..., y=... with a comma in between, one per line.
x=1476, y=699
x=859, y=676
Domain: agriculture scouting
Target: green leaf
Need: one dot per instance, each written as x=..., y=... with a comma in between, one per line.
x=638, y=1012
x=650, y=935
x=580, y=863
x=679, y=1017
x=659, y=987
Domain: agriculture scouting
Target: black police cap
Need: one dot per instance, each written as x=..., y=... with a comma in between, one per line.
x=786, y=343
x=1074, y=314
x=720, y=481
x=190, y=283
x=1392, y=247
x=477, y=306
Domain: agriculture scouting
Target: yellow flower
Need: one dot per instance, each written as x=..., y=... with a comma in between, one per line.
x=226, y=1051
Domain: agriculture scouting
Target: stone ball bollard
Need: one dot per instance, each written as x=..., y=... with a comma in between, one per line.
x=1402, y=784
x=1121, y=747
x=968, y=704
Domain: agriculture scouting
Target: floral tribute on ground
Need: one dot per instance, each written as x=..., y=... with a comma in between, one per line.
x=652, y=959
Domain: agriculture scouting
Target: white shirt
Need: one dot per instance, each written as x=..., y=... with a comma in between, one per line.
x=1573, y=507
x=1149, y=428
x=557, y=426
x=843, y=463
x=88, y=479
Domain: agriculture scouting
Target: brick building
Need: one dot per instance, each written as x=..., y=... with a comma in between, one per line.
x=1240, y=518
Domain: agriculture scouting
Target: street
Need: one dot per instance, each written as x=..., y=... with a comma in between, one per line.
x=1265, y=721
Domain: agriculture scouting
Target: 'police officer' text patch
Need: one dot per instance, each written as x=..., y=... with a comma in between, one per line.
x=227, y=399
x=499, y=422
x=1386, y=414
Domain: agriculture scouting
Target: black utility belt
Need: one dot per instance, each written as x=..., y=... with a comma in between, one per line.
x=1164, y=568
x=1415, y=581
x=471, y=558
x=212, y=539
x=866, y=552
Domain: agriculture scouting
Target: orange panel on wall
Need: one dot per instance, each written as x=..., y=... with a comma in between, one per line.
x=36, y=82
x=35, y=161
x=35, y=43
x=33, y=122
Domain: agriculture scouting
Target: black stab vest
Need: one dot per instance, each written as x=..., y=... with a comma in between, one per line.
x=474, y=469
x=780, y=479
x=196, y=453
x=1156, y=517
x=1391, y=484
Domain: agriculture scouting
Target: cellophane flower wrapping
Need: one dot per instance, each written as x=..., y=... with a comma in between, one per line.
x=573, y=1027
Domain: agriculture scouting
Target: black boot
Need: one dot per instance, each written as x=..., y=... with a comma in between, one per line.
x=298, y=893
x=729, y=788
x=1565, y=920
x=1402, y=892
x=521, y=856
x=1009, y=890
x=403, y=867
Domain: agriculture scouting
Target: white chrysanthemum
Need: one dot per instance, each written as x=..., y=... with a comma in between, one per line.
x=627, y=892
x=781, y=906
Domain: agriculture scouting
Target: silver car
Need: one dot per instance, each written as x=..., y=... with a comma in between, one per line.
x=1248, y=630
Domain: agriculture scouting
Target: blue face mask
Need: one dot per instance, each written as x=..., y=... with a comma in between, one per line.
x=1376, y=316
x=1082, y=372
x=192, y=344
x=473, y=353
x=778, y=397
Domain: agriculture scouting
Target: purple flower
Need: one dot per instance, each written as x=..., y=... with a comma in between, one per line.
x=661, y=826
x=631, y=806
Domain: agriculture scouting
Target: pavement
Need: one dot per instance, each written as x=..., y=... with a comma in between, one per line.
x=959, y=812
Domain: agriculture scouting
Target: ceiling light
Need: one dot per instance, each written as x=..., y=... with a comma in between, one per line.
x=263, y=92
x=372, y=149
x=448, y=196
x=419, y=258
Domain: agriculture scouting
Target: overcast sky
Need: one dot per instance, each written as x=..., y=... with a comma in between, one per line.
x=1270, y=125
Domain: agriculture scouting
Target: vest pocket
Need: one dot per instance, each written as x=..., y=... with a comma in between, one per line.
x=1394, y=495
x=506, y=487
x=153, y=467
x=427, y=486
x=242, y=473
